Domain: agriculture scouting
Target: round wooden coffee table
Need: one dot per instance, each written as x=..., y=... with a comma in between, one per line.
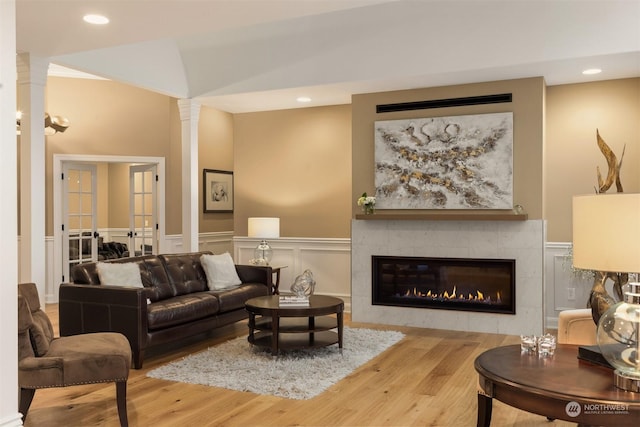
x=560, y=387
x=277, y=327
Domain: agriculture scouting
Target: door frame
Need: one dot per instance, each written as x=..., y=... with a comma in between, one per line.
x=59, y=160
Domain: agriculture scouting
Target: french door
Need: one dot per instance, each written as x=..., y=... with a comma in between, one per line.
x=143, y=223
x=76, y=204
x=79, y=227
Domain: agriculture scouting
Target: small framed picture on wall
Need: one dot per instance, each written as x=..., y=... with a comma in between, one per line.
x=218, y=190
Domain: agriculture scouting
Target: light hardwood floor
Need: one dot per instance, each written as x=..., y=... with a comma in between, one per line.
x=427, y=379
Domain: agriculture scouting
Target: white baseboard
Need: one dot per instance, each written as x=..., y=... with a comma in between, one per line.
x=13, y=420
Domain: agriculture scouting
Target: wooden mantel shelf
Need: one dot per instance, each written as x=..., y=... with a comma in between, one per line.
x=444, y=217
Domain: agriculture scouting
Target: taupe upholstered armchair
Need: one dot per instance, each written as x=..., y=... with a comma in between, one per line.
x=45, y=361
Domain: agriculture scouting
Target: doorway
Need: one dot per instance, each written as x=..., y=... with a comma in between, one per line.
x=144, y=207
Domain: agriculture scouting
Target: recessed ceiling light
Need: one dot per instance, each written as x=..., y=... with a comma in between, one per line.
x=591, y=71
x=95, y=19
x=303, y=99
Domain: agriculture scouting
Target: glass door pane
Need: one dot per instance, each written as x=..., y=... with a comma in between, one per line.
x=143, y=235
x=79, y=215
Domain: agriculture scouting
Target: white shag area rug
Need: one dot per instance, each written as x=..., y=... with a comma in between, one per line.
x=237, y=365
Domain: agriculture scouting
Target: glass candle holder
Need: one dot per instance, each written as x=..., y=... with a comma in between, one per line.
x=528, y=344
x=546, y=345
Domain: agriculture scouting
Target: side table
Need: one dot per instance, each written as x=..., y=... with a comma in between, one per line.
x=275, y=274
x=275, y=290
x=559, y=387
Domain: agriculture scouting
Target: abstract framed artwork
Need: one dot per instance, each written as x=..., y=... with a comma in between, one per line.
x=218, y=190
x=457, y=162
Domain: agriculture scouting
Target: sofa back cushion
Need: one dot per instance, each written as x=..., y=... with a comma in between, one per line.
x=152, y=273
x=185, y=272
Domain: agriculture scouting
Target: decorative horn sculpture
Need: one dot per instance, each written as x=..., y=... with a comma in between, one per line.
x=599, y=298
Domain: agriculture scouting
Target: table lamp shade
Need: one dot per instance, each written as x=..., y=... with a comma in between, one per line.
x=606, y=232
x=264, y=228
x=606, y=235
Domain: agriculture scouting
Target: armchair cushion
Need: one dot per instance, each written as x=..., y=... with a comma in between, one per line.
x=78, y=359
x=576, y=326
x=34, y=319
x=39, y=340
x=25, y=345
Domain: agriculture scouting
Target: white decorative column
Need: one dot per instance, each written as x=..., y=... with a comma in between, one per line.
x=189, y=116
x=9, y=415
x=32, y=79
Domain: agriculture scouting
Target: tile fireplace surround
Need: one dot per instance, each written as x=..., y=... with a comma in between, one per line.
x=519, y=240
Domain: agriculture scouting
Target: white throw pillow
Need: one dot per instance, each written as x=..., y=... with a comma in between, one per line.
x=220, y=270
x=119, y=274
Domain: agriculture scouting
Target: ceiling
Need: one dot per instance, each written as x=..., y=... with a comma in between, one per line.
x=256, y=55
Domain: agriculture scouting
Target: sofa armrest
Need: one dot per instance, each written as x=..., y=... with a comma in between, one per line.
x=101, y=308
x=256, y=274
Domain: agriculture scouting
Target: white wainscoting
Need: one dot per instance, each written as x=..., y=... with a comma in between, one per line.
x=330, y=262
x=328, y=259
x=216, y=242
x=565, y=290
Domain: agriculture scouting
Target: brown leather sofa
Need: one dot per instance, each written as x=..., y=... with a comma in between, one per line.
x=175, y=302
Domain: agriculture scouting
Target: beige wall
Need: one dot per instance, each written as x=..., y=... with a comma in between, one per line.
x=114, y=119
x=574, y=112
x=106, y=118
x=215, y=151
x=295, y=164
x=528, y=118
x=118, y=195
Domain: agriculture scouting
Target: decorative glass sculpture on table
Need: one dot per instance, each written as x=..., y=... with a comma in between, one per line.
x=304, y=285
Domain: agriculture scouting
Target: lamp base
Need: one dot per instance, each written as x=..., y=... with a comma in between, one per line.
x=263, y=252
x=625, y=382
x=593, y=354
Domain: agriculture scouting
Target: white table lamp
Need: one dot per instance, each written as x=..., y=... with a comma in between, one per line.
x=606, y=235
x=264, y=228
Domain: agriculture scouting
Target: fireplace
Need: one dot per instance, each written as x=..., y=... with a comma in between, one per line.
x=522, y=241
x=481, y=285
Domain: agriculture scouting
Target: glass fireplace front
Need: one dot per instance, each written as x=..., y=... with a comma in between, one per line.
x=485, y=285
